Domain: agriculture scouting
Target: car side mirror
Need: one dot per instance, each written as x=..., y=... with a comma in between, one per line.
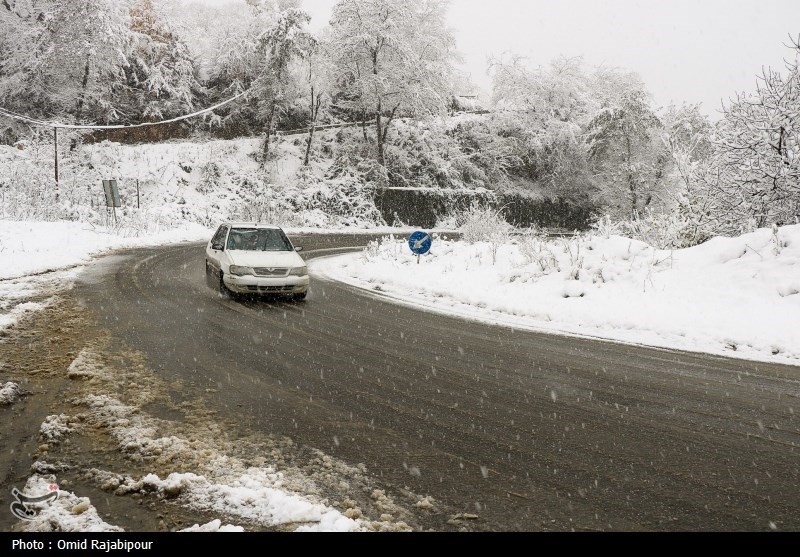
x=298, y=248
x=220, y=247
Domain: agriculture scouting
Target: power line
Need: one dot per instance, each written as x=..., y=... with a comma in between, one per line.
x=36, y=122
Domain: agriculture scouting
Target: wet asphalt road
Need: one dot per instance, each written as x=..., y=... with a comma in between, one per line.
x=527, y=431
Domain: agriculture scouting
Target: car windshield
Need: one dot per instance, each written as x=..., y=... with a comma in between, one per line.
x=258, y=239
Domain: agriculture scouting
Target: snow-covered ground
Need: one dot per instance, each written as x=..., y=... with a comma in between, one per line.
x=736, y=297
x=29, y=247
x=41, y=258
x=199, y=181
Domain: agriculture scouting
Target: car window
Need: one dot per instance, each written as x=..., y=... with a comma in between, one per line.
x=258, y=239
x=219, y=237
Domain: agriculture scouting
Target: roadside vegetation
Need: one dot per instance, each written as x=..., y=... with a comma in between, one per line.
x=383, y=73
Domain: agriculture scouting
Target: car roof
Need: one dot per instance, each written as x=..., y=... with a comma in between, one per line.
x=250, y=225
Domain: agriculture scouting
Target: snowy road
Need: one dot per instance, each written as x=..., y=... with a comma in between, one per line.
x=514, y=430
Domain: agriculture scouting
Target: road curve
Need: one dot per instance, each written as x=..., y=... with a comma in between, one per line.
x=526, y=431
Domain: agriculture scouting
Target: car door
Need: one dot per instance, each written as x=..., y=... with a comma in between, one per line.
x=214, y=252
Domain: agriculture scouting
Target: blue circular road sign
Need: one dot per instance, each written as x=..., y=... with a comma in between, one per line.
x=420, y=242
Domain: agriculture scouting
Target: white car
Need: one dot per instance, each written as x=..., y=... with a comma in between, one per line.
x=248, y=258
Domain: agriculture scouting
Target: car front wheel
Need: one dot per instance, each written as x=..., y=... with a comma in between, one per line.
x=223, y=290
x=209, y=275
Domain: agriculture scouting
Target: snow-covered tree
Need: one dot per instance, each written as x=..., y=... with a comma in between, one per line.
x=236, y=55
x=161, y=78
x=544, y=110
x=80, y=59
x=558, y=93
x=391, y=58
x=687, y=137
x=316, y=75
x=22, y=31
x=231, y=67
x=757, y=158
x=688, y=129
x=284, y=41
x=627, y=154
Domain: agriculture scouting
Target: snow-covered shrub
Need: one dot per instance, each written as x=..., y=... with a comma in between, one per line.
x=347, y=202
x=533, y=245
x=471, y=224
x=267, y=209
x=355, y=158
x=306, y=176
x=140, y=223
x=498, y=237
x=778, y=243
x=605, y=227
x=342, y=202
x=482, y=223
x=373, y=249
x=462, y=152
x=386, y=247
x=210, y=177
x=27, y=183
x=447, y=221
x=660, y=230
x=572, y=248
x=670, y=230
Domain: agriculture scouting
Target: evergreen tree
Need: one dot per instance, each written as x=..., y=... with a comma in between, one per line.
x=161, y=80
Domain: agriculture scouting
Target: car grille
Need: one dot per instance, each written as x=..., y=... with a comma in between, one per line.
x=271, y=271
x=271, y=288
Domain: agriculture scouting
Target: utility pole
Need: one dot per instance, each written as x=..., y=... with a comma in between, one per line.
x=55, y=145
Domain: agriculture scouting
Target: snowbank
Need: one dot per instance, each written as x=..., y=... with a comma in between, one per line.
x=222, y=484
x=731, y=296
x=213, y=526
x=67, y=513
x=251, y=497
x=31, y=247
x=41, y=258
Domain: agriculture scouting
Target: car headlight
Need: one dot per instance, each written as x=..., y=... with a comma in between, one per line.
x=239, y=271
x=298, y=272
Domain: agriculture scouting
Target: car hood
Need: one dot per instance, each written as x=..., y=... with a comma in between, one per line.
x=266, y=258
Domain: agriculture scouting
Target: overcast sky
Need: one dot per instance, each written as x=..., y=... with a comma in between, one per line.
x=693, y=50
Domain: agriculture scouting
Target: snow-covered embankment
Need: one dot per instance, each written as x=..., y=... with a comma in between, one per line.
x=731, y=296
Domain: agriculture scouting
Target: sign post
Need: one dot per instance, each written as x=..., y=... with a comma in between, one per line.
x=55, y=153
x=420, y=243
x=112, y=196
